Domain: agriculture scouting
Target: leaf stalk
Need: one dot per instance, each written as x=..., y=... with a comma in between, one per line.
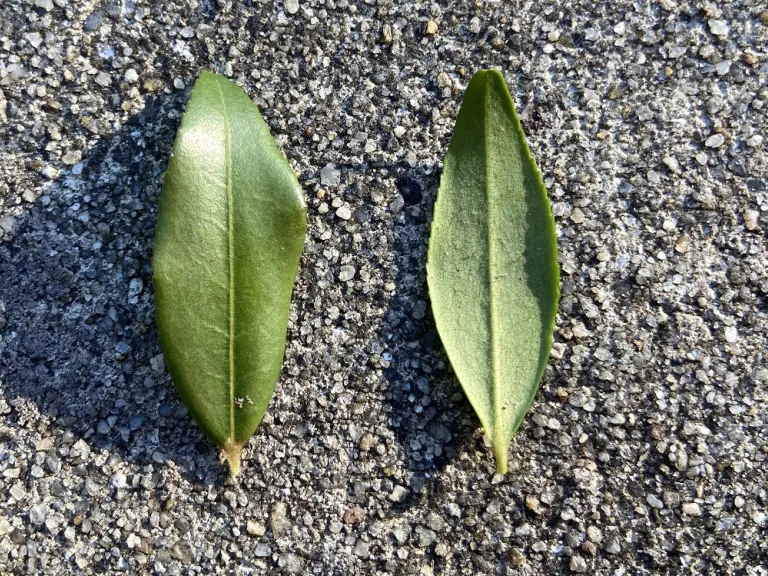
x=500, y=452
x=231, y=453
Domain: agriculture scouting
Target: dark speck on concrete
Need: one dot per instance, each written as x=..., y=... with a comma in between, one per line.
x=410, y=189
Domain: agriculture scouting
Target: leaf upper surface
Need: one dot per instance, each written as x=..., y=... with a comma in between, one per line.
x=492, y=264
x=230, y=230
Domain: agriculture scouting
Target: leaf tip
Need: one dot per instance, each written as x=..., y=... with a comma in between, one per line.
x=487, y=75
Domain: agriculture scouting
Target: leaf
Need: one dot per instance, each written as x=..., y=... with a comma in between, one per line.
x=230, y=230
x=492, y=264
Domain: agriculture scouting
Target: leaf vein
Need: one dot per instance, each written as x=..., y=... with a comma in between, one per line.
x=231, y=263
x=492, y=278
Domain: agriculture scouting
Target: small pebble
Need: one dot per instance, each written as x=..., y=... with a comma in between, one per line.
x=654, y=501
x=578, y=564
x=714, y=141
x=50, y=172
x=718, y=27
x=398, y=494
x=37, y=515
x=361, y=548
x=671, y=163
x=354, y=515
x=517, y=558
x=682, y=245
x=691, y=509
x=612, y=546
x=254, y=528
x=344, y=212
x=397, y=204
x=103, y=79
x=750, y=219
x=93, y=21
x=347, y=272
x=330, y=176
x=532, y=503
x=278, y=519
x=425, y=537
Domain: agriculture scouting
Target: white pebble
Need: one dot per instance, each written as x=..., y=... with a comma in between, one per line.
x=654, y=502
x=750, y=219
x=50, y=172
x=691, y=509
x=103, y=79
x=132, y=541
x=672, y=163
x=723, y=67
x=715, y=141
x=731, y=335
x=718, y=27
x=118, y=481
x=344, y=212
x=346, y=273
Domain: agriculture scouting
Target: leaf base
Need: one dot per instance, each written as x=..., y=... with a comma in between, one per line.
x=231, y=453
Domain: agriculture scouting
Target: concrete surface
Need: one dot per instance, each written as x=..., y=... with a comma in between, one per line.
x=645, y=451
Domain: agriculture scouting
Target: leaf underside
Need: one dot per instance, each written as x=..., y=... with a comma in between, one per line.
x=230, y=230
x=492, y=265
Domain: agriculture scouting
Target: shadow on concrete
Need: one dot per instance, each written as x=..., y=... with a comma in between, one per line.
x=430, y=415
x=79, y=339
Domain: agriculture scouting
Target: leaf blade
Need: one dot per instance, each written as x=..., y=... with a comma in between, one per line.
x=230, y=231
x=492, y=262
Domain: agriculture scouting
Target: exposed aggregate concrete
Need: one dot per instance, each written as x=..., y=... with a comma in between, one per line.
x=645, y=451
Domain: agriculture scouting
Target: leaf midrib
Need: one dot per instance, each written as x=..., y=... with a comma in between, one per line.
x=231, y=263
x=492, y=297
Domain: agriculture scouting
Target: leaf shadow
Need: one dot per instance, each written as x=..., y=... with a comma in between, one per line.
x=432, y=420
x=79, y=339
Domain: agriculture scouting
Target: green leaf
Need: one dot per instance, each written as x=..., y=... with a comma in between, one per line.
x=230, y=231
x=492, y=265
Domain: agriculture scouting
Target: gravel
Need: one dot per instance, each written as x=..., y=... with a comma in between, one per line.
x=645, y=450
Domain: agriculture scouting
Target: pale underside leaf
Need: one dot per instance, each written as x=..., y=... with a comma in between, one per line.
x=492, y=265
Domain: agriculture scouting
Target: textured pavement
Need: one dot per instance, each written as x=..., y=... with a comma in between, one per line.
x=645, y=451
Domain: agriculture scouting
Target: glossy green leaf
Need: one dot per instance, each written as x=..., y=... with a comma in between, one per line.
x=492, y=265
x=230, y=230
